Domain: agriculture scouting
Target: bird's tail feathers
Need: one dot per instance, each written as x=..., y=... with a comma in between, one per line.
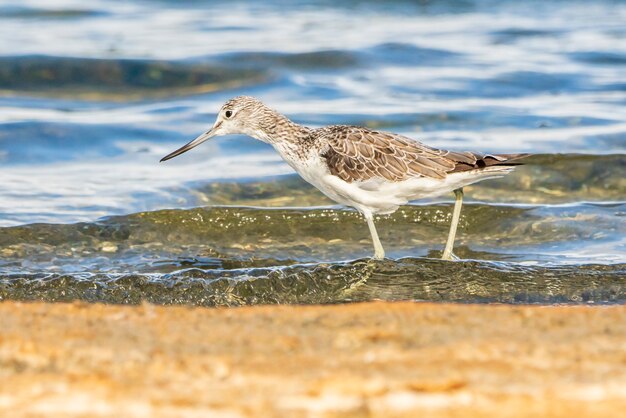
x=486, y=161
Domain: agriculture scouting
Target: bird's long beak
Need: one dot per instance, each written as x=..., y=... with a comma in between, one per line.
x=199, y=140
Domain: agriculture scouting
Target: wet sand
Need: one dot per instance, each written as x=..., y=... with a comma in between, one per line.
x=361, y=360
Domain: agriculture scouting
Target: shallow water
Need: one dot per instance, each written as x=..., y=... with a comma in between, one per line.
x=91, y=102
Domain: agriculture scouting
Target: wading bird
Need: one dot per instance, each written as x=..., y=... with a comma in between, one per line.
x=374, y=172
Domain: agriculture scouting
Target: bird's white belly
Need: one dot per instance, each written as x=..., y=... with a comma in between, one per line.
x=383, y=196
x=315, y=172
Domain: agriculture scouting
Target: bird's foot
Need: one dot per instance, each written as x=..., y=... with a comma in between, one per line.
x=378, y=255
x=449, y=257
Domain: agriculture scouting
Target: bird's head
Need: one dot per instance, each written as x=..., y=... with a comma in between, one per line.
x=241, y=115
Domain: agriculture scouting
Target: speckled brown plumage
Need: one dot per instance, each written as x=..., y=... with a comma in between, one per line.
x=358, y=154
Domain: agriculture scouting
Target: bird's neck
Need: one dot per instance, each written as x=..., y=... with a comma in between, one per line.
x=274, y=128
x=293, y=141
x=277, y=128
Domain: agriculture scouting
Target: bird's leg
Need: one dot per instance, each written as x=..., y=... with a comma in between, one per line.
x=456, y=214
x=379, y=252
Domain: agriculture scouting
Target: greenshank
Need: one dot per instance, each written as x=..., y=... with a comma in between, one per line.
x=372, y=171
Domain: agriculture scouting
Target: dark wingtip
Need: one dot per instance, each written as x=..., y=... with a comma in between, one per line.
x=491, y=160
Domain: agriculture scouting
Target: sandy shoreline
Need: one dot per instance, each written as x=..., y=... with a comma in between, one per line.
x=370, y=359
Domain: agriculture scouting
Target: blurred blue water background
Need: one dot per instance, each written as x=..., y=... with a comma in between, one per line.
x=93, y=94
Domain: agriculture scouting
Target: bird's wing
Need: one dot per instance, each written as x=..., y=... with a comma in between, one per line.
x=359, y=154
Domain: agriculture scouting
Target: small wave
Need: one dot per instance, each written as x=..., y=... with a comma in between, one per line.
x=242, y=237
x=118, y=79
x=361, y=280
x=16, y=12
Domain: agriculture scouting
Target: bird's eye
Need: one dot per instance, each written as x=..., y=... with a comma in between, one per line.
x=228, y=113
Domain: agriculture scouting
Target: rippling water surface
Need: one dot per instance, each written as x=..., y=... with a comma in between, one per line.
x=93, y=94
